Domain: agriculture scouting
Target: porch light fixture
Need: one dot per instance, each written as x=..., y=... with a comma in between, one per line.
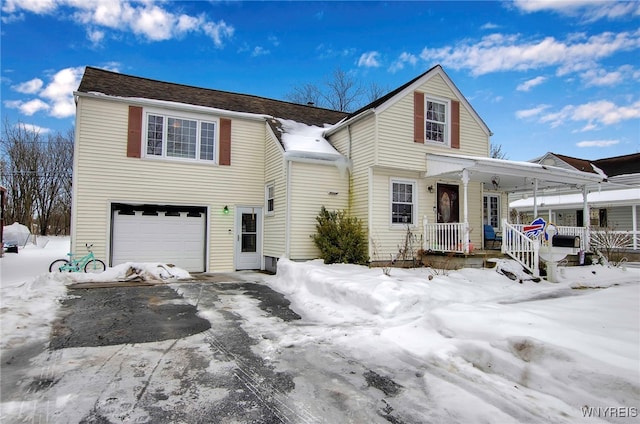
x=495, y=180
x=225, y=210
x=430, y=189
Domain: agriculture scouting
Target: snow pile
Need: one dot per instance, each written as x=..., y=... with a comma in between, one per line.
x=302, y=138
x=512, y=349
x=129, y=271
x=16, y=234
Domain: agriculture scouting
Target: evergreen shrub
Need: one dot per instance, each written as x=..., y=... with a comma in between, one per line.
x=340, y=238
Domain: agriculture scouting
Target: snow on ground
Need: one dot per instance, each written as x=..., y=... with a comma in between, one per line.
x=479, y=346
x=531, y=346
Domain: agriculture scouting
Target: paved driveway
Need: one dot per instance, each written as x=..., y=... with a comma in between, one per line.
x=195, y=352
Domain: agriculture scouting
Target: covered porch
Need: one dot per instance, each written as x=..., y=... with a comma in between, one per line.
x=508, y=177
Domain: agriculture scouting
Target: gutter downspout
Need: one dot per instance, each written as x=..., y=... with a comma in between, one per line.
x=287, y=216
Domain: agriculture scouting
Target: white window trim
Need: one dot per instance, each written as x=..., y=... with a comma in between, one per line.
x=267, y=212
x=179, y=115
x=414, y=202
x=447, y=126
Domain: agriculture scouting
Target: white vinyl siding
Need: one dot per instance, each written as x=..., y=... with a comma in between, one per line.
x=274, y=223
x=107, y=175
x=312, y=186
x=395, y=145
x=387, y=238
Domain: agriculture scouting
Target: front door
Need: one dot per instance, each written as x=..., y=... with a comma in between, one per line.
x=448, y=203
x=248, y=238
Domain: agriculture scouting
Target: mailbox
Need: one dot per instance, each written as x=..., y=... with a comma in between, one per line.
x=565, y=241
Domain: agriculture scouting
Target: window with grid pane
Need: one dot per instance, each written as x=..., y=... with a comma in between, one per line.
x=181, y=138
x=155, y=130
x=402, y=202
x=270, y=194
x=207, y=141
x=435, y=121
x=491, y=210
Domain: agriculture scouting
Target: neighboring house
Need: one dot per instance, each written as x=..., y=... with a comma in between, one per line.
x=217, y=181
x=613, y=206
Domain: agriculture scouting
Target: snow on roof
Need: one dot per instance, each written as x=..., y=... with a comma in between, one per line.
x=306, y=140
x=626, y=196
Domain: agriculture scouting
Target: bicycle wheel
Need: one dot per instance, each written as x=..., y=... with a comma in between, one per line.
x=95, y=266
x=58, y=264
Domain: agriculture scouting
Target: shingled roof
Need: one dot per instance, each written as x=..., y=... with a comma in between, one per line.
x=617, y=165
x=121, y=85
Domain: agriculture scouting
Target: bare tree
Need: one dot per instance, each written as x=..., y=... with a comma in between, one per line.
x=495, y=151
x=341, y=91
x=37, y=175
x=53, y=199
x=306, y=94
x=375, y=91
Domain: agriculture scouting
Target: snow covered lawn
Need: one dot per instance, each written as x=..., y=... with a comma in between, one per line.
x=488, y=349
x=463, y=346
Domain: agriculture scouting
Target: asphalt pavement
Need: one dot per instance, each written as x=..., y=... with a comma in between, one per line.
x=187, y=353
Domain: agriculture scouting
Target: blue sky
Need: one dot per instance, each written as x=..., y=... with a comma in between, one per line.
x=559, y=76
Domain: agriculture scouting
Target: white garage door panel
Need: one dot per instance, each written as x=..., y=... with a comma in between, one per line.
x=178, y=240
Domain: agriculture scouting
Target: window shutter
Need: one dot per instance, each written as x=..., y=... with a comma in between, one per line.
x=225, y=141
x=455, y=124
x=418, y=117
x=134, y=138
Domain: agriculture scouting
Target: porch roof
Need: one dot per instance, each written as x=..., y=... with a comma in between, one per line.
x=508, y=176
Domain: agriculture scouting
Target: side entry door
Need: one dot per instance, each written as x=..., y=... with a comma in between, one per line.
x=248, y=238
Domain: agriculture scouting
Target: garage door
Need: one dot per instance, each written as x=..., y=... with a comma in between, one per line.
x=156, y=233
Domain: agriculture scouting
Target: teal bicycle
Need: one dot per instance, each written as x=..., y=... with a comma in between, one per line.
x=87, y=263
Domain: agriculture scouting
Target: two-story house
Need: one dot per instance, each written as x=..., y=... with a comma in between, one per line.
x=216, y=181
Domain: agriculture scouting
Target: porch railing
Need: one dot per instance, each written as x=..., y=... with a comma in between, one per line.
x=520, y=247
x=566, y=231
x=448, y=237
x=609, y=239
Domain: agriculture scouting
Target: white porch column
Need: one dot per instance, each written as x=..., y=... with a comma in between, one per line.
x=634, y=222
x=586, y=219
x=535, y=198
x=465, y=213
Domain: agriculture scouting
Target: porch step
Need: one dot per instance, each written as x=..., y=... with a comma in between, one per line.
x=476, y=259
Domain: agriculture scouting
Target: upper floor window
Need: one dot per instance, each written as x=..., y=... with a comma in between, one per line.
x=436, y=121
x=403, y=202
x=174, y=137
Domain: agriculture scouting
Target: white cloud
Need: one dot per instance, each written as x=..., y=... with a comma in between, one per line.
x=259, y=51
x=35, y=128
x=60, y=91
x=528, y=85
x=489, y=25
x=33, y=6
x=587, y=10
x=603, y=78
x=27, y=108
x=154, y=22
x=369, y=60
x=597, y=143
x=530, y=113
x=403, y=59
x=500, y=52
x=29, y=87
x=594, y=114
